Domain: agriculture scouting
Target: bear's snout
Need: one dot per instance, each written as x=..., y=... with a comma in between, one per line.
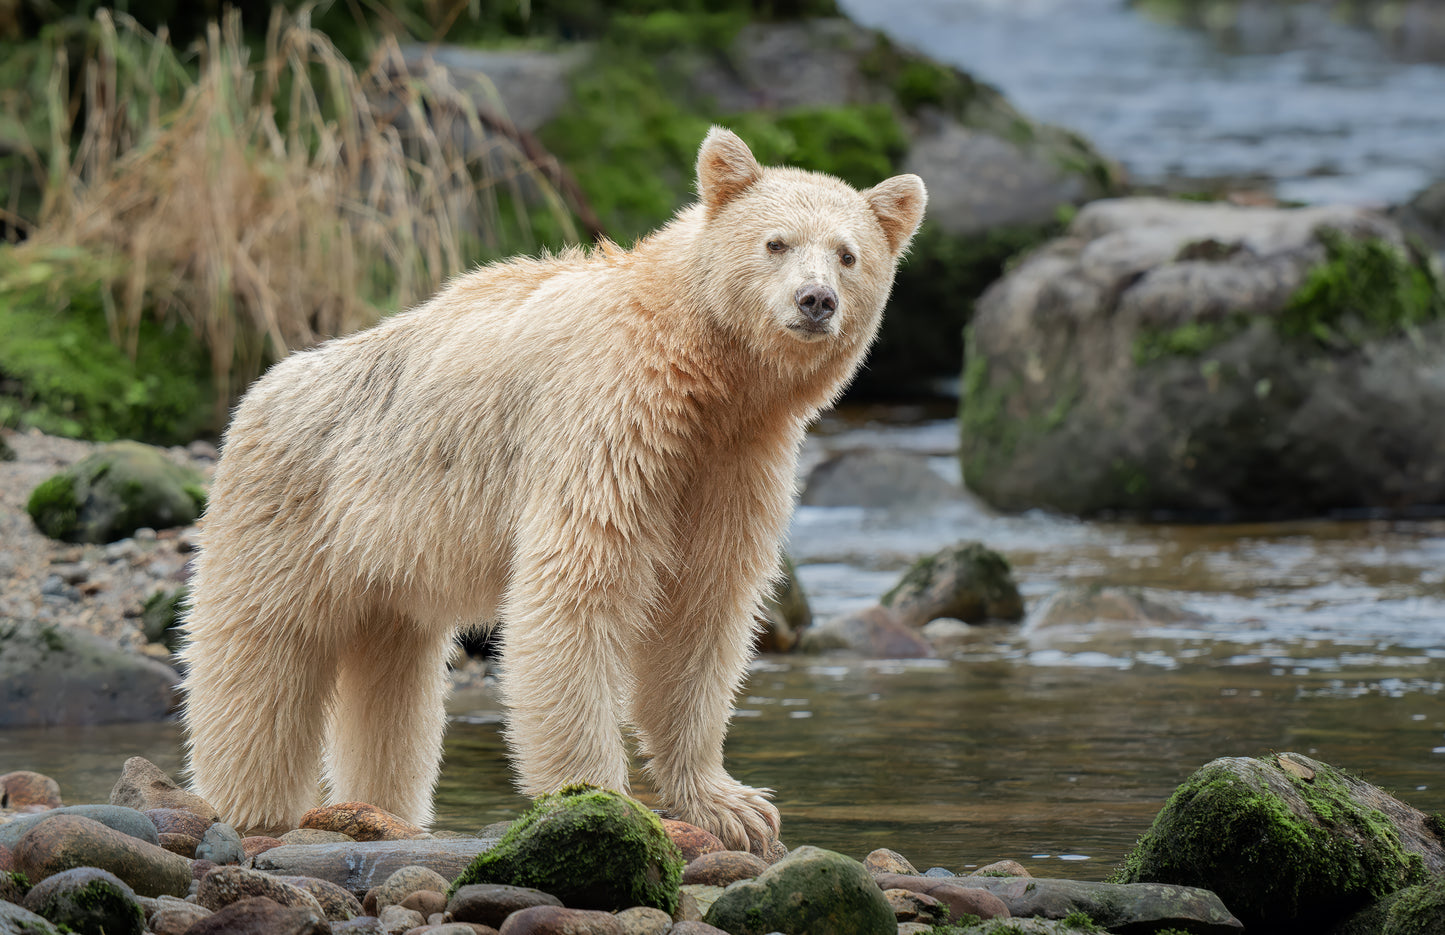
x=816, y=301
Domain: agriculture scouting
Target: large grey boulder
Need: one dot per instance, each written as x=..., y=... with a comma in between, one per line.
x=1208, y=359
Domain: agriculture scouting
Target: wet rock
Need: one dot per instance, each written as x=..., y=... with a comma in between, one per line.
x=591, y=848
x=68, y=841
x=24, y=789
x=361, y=925
x=1084, y=605
x=53, y=675
x=883, y=860
x=644, y=920
x=143, y=786
x=256, y=844
x=719, y=868
x=397, y=919
x=182, y=845
x=879, y=479
x=221, y=844
x=178, y=821
x=336, y=902
x=785, y=613
x=427, y=902
x=118, y=818
x=961, y=898
x=17, y=920
x=1002, y=868
x=967, y=581
x=809, y=890
x=175, y=916
x=874, y=632
x=225, y=885
x=361, y=822
x=401, y=884
x=314, y=836
x=909, y=906
x=1331, y=842
x=700, y=896
x=257, y=915
x=554, y=920
x=1144, y=907
x=89, y=901
x=114, y=491
x=359, y=866
x=691, y=840
x=491, y=903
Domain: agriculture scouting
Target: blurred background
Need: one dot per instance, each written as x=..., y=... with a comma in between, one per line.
x=1171, y=342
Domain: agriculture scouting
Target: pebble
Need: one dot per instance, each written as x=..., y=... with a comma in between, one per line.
x=144, y=786
x=361, y=822
x=692, y=840
x=397, y=919
x=23, y=789
x=225, y=885
x=257, y=915
x=175, y=916
x=555, y=920
x=87, y=899
x=491, y=903
x=883, y=860
x=221, y=844
x=719, y=868
x=401, y=884
x=68, y=841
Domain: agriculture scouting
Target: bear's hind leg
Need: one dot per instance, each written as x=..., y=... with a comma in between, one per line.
x=385, y=740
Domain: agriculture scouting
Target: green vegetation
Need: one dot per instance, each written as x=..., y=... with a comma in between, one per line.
x=161, y=614
x=1191, y=339
x=113, y=492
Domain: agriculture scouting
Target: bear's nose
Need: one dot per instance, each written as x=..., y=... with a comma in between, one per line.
x=817, y=301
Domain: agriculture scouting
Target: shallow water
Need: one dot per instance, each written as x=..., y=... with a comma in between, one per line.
x=1300, y=99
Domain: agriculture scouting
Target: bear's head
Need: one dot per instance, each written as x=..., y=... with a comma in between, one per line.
x=798, y=258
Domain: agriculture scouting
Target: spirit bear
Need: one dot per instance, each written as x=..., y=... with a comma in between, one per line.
x=595, y=450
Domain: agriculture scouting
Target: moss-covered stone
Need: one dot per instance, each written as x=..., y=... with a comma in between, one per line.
x=810, y=890
x=589, y=847
x=13, y=886
x=161, y=617
x=785, y=612
x=115, y=491
x=968, y=581
x=1288, y=843
x=88, y=901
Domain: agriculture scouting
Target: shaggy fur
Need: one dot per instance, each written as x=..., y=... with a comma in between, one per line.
x=597, y=450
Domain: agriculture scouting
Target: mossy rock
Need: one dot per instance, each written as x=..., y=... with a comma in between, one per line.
x=968, y=581
x=589, y=847
x=160, y=617
x=1415, y=910
x=13, y=886
x=6, y=452
x=810, y=890
x=15, y=918
x=785, y=612
x=115, y=491
x=87, y=900
x=1288, y=843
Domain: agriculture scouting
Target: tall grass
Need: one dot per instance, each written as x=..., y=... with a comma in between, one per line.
x=268, y=205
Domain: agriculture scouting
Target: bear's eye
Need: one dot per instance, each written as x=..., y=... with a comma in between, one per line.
x=776, y=246
x=847, y=258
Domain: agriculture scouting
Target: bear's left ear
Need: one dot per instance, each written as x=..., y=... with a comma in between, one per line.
x=725, y=167
x=898, y=204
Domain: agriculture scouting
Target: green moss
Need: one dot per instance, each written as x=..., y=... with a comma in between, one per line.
x=1081, y=921
x=161, y=617
x=918, y=81
x=1418, y=910
x=54, y=508
x=1191, y=339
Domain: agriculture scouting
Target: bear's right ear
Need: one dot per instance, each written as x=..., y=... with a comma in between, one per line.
x=725, y=167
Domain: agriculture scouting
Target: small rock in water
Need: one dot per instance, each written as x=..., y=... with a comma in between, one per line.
x=144, y=786
x=883, y=860
x=491, y=903
x=691, y=840
x=1002, y=868
x=361, y=821
x=938, y=872
x=719, y=868
x=874, y=632
x=23, y=789
x=556, y=920
x=225, y=885
x=257, y=915
x=221, y=844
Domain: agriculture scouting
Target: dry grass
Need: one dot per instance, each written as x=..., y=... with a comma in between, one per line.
x=270, y=205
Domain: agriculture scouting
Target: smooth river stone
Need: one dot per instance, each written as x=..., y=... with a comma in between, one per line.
x=226, y=885
x=361, y=865
x=143, y=786
x=361, y=821
x=25, y=789
x=125, y=820
x=68, y=841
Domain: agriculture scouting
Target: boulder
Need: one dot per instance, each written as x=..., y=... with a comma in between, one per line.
x=967, y=581
x=116, y=817
x=591, y=848
x=52, y=676
x=1081, y=606
x=878, y=479
x=1208, y=360
x=810, y=890
x=89, y=901
x=874, y=632
x=114, y=491
x=1287, y=842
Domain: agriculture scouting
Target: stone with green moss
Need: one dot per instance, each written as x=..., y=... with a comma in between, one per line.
x=589, y=847
x=967, y=581
x=87, y=900
x=1288, y=843
x=1415, y=910
x=785, y=612
x=13, y=886
x=809, y=890
x=161, y=617
x=17, y=920
x=114, y=491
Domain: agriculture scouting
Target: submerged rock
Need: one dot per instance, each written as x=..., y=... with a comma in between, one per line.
x=967, y=581
x=810, y=890
x=878, y=479
x=874, y=632
x=1288, y=843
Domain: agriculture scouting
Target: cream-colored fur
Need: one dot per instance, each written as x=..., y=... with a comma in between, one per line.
x=596, y=450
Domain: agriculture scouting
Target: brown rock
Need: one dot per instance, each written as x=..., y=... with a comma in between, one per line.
x=226, y=885
x=401, y=884
x=394, y=918
x=875, y=632
x=885, y=861
x=199, y=868
x=719, y=868
x=144, y=786
x=178, y=821
x=695, y=928
x=427, y=902
x=175, y=916
x=7, y=859
x=644, y=920
x=916, y=907
x=259, y=843
x=24, y=789
x=491, y=903
x=182, y=844
x=67, y=841
x=361, y=821
x=555, y=920
x=952, y=892
x=692, y=840
x=313, y=836
x=336, y=902
x=361, y=925
x=1002, y=868
x=258, y=915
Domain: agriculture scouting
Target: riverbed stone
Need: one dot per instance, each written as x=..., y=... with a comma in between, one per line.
x=427, y=902
x=557, y=920
x=785, y=613
x=68, y=841
x=17, y=920
x=1002, y=868
x=967, y=581
x=878, y=479
x=883, y=860
x=52, y=675
x=89, y=901
x=337, y=903
x=175, y=916
x=114, y=491
x=259, y=843
x=181, y=844
x=361, y=925
x=258, y=915
x=24, y=789
x=1080, y=606
x=361, y=865
x=491, y=903
x=225, y=885
x=13, y=886
x=360, y=821
x=118, y=818
x=909, y=906
x=811, y=889
x=720, y=868
x=644, y=920
x=692, y=841
x=699, y=897
x=874, y=633
x=220, y=844
x=1144, y=907
x=959, y=894
x=397, y=918
x=592, y=848
x=399, y=885
x=314, y=836
x=1331, y=842
x=143, y=786
x=178, y=821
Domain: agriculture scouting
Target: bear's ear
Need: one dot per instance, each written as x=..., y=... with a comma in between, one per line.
x=898, y=204
x=725, y=167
